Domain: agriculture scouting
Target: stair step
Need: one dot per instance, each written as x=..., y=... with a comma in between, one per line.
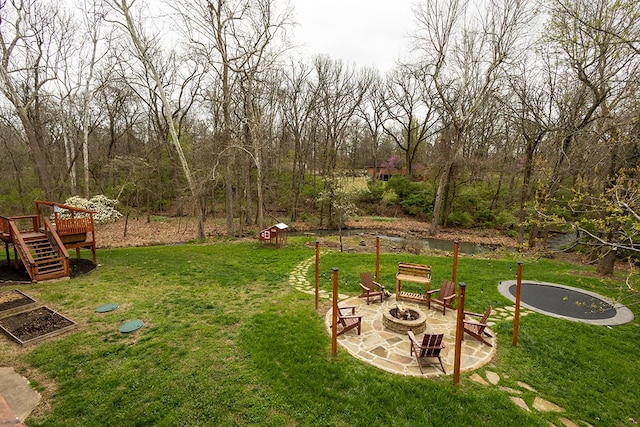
x=48, y=262
x=39, y=244
x=42, y=250
x=50, y=269
x=44, y=255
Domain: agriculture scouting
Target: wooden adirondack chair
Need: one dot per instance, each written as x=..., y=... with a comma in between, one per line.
x=446, y=295
x=430, y=348
x=477, y=329
x=371, y=289
x=348, y=319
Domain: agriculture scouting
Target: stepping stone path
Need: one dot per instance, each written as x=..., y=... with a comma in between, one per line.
x=298, y=279
x=520, y=397
x=507, y=313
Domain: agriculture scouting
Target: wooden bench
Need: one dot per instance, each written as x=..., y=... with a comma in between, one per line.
x=417, y=273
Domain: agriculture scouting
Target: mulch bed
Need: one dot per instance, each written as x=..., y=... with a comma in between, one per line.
x=10, y=275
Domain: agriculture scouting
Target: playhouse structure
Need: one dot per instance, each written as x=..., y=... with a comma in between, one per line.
x=41, y=242
x=275, y=235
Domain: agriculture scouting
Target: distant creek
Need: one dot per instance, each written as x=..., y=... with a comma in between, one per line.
x=428, y=243
x=554, y=242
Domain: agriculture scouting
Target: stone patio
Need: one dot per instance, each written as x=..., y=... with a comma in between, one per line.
x=389, y=350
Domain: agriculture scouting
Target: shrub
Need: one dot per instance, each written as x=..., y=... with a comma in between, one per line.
x=372, y=194
x=402, y=186
x=419, y=203
x=505, y=220
x=460, y=219
x=102, y=205
x=484, y=217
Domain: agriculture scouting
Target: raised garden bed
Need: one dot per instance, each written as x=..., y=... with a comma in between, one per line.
x=35, y=325
x=14, y=301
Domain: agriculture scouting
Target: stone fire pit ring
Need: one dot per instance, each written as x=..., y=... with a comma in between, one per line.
x=402, y=326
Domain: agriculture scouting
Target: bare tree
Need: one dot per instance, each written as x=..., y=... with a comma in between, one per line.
x=464, y=56
x=599, y=66
x=240, y=42
x=33, y=38
x=76, y=90
x=298, y=102
x=93, y=15
x=340, y=91
x=371, y=111
x=259, y=48
x=530, y=109
x=143, y=47
x=410, y=111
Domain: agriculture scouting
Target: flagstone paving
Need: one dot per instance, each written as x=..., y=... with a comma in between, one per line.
x=390, y=351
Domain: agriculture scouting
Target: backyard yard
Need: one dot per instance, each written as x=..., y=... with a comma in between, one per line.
x=227, y=340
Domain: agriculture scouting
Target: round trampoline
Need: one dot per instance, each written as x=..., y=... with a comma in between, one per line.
x=566, y=302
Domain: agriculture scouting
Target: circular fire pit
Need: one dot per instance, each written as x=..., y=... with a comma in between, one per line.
x=404, y=319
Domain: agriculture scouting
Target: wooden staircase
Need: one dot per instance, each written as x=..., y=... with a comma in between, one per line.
x=48, y=262
x=40, y=250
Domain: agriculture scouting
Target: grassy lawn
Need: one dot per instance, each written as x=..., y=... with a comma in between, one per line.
x=227, y=341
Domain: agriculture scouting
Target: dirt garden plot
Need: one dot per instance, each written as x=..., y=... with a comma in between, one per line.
x=27, y=322
x=15, y=302
x=36, y=325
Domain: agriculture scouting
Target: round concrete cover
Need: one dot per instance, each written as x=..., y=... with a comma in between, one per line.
x=130, y=326
x=107, y=307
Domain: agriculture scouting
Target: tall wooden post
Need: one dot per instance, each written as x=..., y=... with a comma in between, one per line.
x=334, y=314
x=516, y=318
x=317, y=273
x=454, y=274
x=378, y=259
x=459, y=333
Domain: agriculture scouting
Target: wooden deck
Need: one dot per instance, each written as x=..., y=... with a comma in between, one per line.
x=41, y=241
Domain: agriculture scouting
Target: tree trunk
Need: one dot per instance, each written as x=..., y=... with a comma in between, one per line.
x=70, y=161
x=606, y=262
x=533, y=235
x=38, y=153
x=437, y=204
x=260, y=195
x=524, y=195
x=228, y=187
x=201, y=209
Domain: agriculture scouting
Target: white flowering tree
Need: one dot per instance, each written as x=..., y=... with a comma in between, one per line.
x=102, y=205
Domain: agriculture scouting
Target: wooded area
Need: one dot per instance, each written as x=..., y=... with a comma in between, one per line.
x=511, y=112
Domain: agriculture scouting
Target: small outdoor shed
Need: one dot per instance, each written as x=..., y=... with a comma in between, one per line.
x=275, y=235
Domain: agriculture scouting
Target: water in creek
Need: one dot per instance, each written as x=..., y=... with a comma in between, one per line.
x=428, y=243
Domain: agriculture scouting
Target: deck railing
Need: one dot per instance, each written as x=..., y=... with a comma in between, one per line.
x=81, y=220
x=77, y=230
x=20, y=245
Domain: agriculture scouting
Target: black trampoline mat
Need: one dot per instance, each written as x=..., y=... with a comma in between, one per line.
x=563, y=301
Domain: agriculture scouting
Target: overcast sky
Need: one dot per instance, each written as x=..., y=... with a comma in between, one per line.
x=364, y=32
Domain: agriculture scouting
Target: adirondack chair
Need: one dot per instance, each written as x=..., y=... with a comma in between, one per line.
x=446, y=295
x=371, y=289
x=477, y=329
x=430, y=348
x=348, y=319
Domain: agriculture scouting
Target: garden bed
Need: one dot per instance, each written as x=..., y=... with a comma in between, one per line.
x=12, y=302
x=35, y=325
